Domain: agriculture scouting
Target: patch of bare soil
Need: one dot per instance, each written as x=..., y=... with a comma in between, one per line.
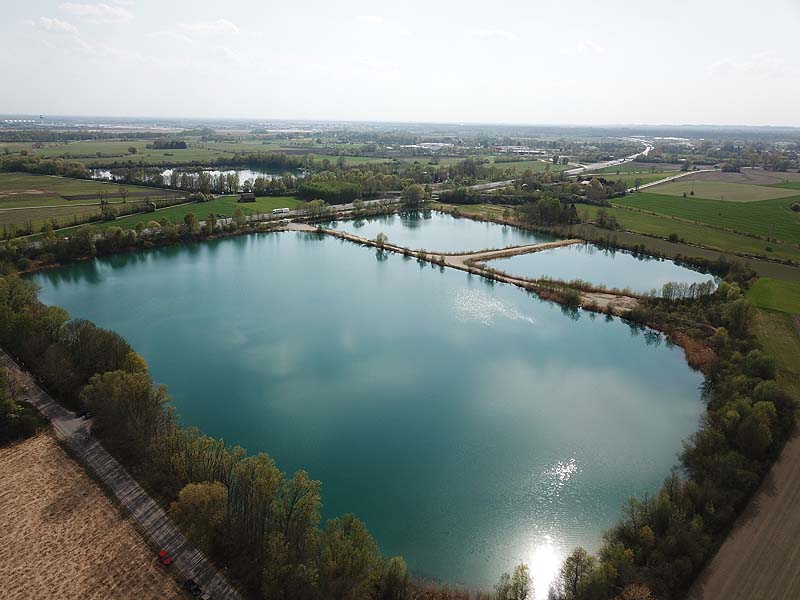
x=61, y=537
x=761, y=556
x=16, y=193
x=751, y=176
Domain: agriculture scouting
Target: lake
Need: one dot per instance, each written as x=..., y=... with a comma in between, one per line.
x=609, y=267
x=441, y=232
x=244, y=174
x=470, y=424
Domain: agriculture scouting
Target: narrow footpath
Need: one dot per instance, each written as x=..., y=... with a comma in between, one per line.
x=160, y=531
x=473, y=263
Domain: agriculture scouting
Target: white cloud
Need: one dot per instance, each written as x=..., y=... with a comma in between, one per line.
x=61, y=35
x=495, y=34
x=371, y=19
x=170, y=35
x=217, y=27
x=98, y=13
x=228, y=55
x=764, y=64
x=591, y=47
x=57, y=26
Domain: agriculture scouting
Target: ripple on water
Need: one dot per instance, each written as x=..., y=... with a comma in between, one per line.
x=477, y=305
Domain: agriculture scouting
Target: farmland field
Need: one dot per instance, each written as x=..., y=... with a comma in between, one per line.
x=117, y=151
x=27, y=187
x=717, y=190
x=696, y=233
x=38, y=199
x=747, y=175
x=640, y=167
x=61, y=536
x=768, y=218
x=631, y=177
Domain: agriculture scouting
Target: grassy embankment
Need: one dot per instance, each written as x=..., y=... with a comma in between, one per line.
x=777, y=325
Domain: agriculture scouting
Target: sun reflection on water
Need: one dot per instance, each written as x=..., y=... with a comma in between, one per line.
x=544, y=564
x=479, y=305
x=547, y=550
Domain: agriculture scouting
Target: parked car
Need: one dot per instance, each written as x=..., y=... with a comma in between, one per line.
x=190, y=585
x=164, y=558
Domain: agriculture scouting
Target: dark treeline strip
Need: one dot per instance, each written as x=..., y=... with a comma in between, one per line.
x=70, y=135
x=25, y=163
x=533, y=187
x=332, y=192
x=167, y=144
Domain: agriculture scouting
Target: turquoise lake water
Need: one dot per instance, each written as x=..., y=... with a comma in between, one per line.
x=612, y=268
x=441, y=232
x=469, y=424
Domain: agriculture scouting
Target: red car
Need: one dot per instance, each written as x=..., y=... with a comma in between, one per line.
x=164, y=558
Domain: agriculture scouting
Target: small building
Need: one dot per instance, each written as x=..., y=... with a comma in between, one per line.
x=247, y=197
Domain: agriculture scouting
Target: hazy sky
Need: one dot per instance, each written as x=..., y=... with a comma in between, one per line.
x=516, y=61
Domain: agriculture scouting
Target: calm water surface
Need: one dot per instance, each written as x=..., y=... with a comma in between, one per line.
x=433, y=230
x=470, y=425
x=601, y=266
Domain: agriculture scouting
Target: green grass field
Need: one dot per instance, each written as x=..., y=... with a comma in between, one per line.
x=225, y=205
x=779, y=337
x=537, y=166
x=768, y=218
x=86, y=152
x=717, y=190
x=787, y=185
x=777, y=295
x=696, y=233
